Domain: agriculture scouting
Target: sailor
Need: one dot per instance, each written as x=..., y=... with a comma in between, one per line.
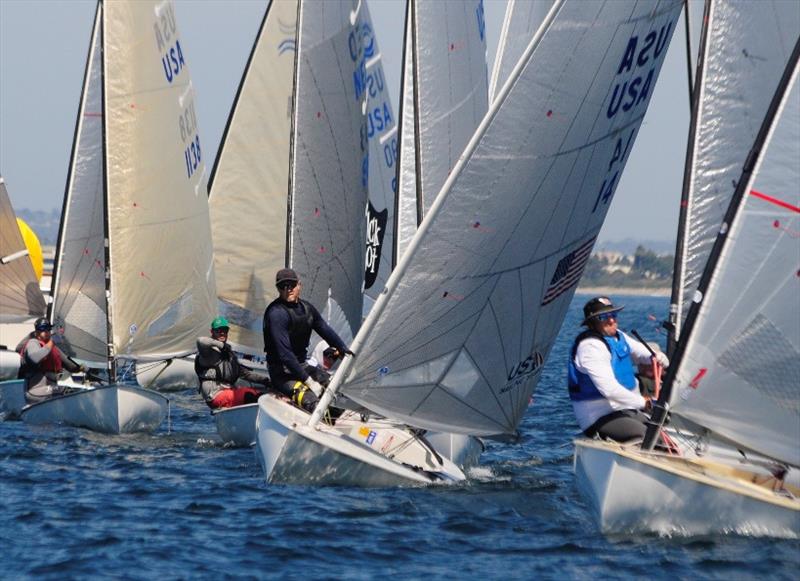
x=219, y=369
x=288, y=323
x=42, y=363
x=602, y=385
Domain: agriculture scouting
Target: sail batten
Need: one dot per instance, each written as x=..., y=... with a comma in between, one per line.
x=513, y=219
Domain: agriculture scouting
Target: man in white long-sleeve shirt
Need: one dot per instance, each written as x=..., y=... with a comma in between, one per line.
x=602, y=384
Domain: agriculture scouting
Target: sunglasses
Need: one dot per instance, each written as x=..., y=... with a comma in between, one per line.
x=607, y=316
x=220, y=330
x=287, y=285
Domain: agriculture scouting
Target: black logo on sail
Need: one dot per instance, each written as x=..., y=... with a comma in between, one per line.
x=523, y=370
x=376, y=226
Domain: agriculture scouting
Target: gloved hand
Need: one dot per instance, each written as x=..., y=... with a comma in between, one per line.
x=314, y=386
x=347, y=352
x=662, y=359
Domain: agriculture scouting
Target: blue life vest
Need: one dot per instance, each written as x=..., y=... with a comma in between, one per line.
x=581, y=387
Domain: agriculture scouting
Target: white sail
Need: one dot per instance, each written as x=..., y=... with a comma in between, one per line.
x=448, y=86
x=329, y=157
x=20, y=297
x=79, y=309
x=747, y=46
x=407, y=218
x=739, y=375
x=522, y=20
x=382, y=139
x=250, y=178
x=470, y=313
x=162, y=288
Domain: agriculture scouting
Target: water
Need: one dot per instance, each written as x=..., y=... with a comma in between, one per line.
x=179, y=505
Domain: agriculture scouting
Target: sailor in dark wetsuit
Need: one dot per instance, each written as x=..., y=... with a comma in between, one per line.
x=288, y=323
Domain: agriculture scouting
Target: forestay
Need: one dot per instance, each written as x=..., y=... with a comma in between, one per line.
x=746, y=48
x=458, y=341
x=250, y=178
x=20, y=296
x=159, y=245
x=523, y=18
x=382, y=138
x=329, y=159
x=449, y=87
x=79, y=308
x=739, y=374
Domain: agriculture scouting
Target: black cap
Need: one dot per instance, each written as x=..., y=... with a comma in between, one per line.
x=42, y=324
x=286, y=275
x=598, y=306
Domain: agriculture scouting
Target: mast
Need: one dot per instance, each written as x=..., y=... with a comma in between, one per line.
x=415, y=78
x=71, y=170
x=673, y=325
x=743, y=186
x=688, y=50
x=112, y=362
x=292, y=144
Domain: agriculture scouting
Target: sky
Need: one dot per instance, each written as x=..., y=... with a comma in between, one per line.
x=43, y=46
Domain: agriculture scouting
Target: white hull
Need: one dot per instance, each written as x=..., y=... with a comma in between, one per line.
x=12, y=399
x=464, y=451
x=237, y=425
x=351, y=453
x=112, y=409
x=176, y=376
x=9, y=364
x=635, y=491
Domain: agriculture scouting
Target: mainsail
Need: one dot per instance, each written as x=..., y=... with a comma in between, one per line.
x=143, y=265
x=458, y=340
x=328, y=175
x=738, y=365
x=746, y=48
x=523, y=18
x=20, y=296
x=444, y=99
x=289, y=187
x=247, y=191
x=382, y=138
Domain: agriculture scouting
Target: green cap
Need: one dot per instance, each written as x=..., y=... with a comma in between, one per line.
x=219, y=323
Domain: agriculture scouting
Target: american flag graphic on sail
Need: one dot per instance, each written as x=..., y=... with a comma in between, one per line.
x=568, y=272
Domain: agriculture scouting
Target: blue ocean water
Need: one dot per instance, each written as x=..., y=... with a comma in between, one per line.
x=176, y=504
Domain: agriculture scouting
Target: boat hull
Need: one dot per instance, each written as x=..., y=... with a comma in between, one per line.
x=237, y=425
x=9, y=364
x=633, y=491
x=12, y=398
x=292, y=453
x=465, y=451
x=110, y=409
x=176, y=376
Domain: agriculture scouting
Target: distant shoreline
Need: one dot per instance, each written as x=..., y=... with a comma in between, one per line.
x=625, y=291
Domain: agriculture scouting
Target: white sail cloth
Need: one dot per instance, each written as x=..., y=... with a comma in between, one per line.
x=20, y=296
x=458, y=341
x=747, y=46
x=740, y=373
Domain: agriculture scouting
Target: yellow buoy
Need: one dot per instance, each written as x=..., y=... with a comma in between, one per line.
x=33, y=246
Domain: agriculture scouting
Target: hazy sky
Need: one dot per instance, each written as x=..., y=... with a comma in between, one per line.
x=43, y=46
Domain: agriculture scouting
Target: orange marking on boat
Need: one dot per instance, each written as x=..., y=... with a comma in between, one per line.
x=775, y=201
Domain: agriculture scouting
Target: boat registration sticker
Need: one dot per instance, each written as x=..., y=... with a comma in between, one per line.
x=363, y=431
x=371, y=438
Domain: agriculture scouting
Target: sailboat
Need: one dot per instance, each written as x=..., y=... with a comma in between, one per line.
x=133, y=277
x=457, y=340
x=299, y=118
x=21, y=301
x=733, y=386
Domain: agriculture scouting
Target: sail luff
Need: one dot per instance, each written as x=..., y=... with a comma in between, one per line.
x=293, y=136
x=711, y=380
x=111, y=360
